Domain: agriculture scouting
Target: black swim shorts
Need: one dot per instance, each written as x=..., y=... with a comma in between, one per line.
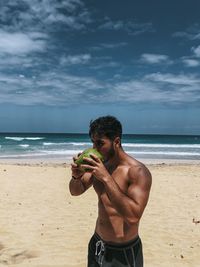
x=107, y=254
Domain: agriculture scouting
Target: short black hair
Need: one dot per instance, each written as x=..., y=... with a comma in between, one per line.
x=108, y=126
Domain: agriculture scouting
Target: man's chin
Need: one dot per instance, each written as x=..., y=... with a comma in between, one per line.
x=106, y=160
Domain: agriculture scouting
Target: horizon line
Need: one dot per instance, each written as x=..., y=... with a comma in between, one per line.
x=79, y=133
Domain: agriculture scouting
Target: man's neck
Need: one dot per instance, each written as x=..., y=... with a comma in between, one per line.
x=116, y=159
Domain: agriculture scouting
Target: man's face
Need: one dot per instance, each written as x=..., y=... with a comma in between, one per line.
x=104, y=145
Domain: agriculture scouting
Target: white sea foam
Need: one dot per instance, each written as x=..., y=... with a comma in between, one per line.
x=142, y=145
x=57, y=144
x=34, y=138
x=23, y=138
x=175, y=153
x=21, y=155
x=43, y=153
x=49, y=144
x=162, y=145
x=59, y=152
x=68, y=154
x=25, y=145
x=14, y=138
x=80, y=143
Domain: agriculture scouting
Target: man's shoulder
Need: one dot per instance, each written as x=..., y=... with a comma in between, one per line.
x=139, y=173
x=135, y=165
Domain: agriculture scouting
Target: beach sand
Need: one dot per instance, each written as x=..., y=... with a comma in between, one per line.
x=42, y=225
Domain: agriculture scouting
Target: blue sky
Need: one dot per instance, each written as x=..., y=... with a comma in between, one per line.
x=63, y=63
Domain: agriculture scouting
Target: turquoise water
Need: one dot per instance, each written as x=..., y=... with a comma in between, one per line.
x=65, y=146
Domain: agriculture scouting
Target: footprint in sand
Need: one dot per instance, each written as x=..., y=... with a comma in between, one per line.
x=13, y=256
x=1, y=247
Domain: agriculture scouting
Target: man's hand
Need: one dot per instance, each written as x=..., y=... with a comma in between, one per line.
x=97, y=167
x=76, y=171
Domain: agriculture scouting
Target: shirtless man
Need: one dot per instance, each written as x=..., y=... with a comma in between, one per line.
x=122, y=185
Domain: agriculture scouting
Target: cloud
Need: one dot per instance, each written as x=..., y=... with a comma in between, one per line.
x=129, y=26
x=193, y=60
x=155, y=59
x=196, y=51
x=48, y=88
x=104, y=46
x=40, y=15
x=75, y=59
x=159, y=88
x=191, y=33
x=186, y=35
x=189, y=62
x=59, y=88
x=20, y=43
x=104, y=65
x=93, y=63
x=35, y=62
x=28, y=28
x=173, y=79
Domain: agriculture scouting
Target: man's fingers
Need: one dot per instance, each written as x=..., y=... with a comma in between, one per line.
x=77, y=156
x=95, y=157
x=85, y=166
x=74, y=165
x=89, y=160
x=74, y=158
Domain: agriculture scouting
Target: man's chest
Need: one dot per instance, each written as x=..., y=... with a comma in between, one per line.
x=119, y=177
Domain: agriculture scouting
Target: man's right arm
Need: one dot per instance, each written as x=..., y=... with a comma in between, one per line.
x=79, y=185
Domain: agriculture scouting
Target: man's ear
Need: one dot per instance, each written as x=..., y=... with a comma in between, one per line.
x=117, y=141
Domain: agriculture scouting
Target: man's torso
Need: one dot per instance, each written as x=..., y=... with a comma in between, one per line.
x=110, y=225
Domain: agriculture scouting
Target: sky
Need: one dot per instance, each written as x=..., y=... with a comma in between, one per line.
x=66, y=62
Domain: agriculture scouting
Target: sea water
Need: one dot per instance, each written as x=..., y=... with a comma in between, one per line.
x=65, y=146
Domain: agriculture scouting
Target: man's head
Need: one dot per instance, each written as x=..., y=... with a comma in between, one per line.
x=105, y=133
x=107, y=126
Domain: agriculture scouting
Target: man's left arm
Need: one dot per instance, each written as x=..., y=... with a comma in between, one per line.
x=132, y=204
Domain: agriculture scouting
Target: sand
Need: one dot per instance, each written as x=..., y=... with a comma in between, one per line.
x=42, y=225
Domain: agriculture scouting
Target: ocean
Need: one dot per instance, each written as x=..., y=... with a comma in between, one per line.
x=65, y=146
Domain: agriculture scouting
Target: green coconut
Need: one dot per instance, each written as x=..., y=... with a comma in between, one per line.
x=87, y=154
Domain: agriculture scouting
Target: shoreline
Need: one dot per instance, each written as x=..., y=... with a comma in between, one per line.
x=67, y=162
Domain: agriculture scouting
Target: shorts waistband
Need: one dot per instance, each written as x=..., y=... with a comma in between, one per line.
x=115, y=245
